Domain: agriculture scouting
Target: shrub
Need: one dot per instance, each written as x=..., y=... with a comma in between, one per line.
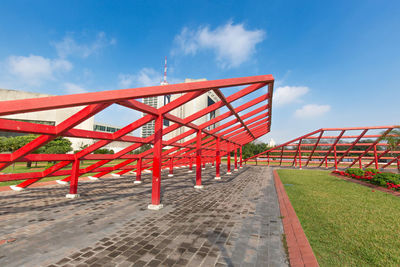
x=386, y=177
x=355, y=171
x=371, y=170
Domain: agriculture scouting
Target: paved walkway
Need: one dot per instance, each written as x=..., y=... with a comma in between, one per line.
x=231, y=222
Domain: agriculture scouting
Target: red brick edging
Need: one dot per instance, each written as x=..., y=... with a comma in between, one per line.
x=377, y=187
x=300, y=251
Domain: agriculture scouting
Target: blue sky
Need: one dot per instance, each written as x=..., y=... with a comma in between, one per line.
x=336, y=63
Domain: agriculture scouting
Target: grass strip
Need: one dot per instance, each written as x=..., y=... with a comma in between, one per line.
x=346, y=224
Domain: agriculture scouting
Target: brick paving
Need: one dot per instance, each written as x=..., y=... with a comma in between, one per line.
x=231, y=222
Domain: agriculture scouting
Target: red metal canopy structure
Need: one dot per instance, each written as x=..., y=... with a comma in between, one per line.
x=234, y=131
x=361, y=147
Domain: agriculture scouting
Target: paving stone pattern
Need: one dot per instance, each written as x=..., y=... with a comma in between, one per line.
x=231, y=222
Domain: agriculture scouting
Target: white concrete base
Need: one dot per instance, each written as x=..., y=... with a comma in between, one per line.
x=155, y=207
x=93, y=178
x=203, y=168
x=241, y=167
x=177, y=167
x=72, y=196
x=199, y=186
x=115, y=175
x=146, y=171
x=137, y=182
x=189, y=171
x=61, y=182
x=217, y=178
x=16, y=188
x=235, y=170
x=228, y=173
x=300, y=168
x=170, y=175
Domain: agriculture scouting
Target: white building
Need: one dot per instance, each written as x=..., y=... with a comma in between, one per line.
x=183, y=111
x=56, y=116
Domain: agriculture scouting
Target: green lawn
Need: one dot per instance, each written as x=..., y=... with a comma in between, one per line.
x=20, y=167
x=346, y=224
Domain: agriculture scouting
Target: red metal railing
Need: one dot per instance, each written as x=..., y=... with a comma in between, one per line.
x=336, y=150
x=208, y=145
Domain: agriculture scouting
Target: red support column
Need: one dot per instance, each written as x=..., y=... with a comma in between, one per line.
x=299, y=157
x=229, y=159
x=171, y=167
x=376, y=158
x=360, y=163
x=190, y=164
x=326, y=162
x=218, y=161
x=268, y=158
x=236, y=161
x=138, y=171
x=241, y=160
x=204, y=164
x=157, y=152
x=73, y=186
x=334, y=151
x=198, y=161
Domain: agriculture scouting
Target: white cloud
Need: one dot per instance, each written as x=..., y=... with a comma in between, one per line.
x=72, y=88
x=312, y=110
x=232, y=44
x=288, y=94
x=145, y=77
x=34, y=69
x=69, y=46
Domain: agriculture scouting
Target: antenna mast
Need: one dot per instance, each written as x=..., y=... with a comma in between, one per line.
x=164, y=82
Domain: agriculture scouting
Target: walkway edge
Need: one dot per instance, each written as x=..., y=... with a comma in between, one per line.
x=300, y=251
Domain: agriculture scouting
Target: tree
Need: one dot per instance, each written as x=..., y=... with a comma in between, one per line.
x=59, y=145
x=393, y=140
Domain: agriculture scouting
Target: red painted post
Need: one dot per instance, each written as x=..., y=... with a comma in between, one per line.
x=138, y=171
x=198, y=161
x=326, y=162
x=360, y=163
x=398, y=164
x=190, y=164
x=334, y=151
x=376, y=158
x=229, y=159
x=241, y=159
x=73, y=186
x=171, y=167
x=204, y=164
x=299, y=157
x=157, y=150
x=268, y=158
x=218, y=160
x=236, y=161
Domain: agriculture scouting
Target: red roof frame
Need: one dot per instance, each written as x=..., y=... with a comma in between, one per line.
x=208, y=146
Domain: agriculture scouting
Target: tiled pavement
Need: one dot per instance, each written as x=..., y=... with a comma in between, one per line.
x=231, y=222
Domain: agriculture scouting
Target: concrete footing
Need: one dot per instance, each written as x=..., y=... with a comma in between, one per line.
x=170, y=175
x=72, y=196
x=199, y=186
x=217, y=178
x=93, y=178
x=155, y=207
x=137, y=182
x=235, y=170
x=61, y=182
x=16, y=188
x=228, y=173
x=115, y=175
x=189, y=171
